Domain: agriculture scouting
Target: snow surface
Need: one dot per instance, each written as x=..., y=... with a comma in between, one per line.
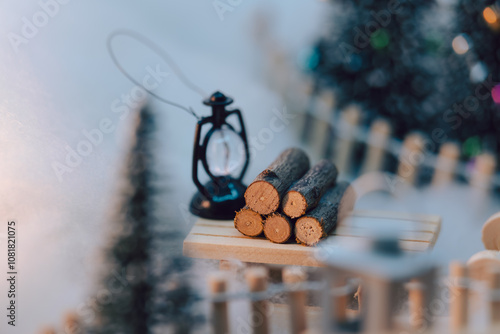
x=62, y=82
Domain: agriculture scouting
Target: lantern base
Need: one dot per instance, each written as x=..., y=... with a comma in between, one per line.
x=228, y=199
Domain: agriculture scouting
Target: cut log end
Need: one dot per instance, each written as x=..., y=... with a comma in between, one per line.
x=491, y=233
x=308, y=231
x=277, y=228
x=248, y=222
x=294, y=204
x=262, y=197
x=480, y=264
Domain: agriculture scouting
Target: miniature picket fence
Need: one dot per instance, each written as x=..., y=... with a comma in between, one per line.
x=462, y=289
x=339, y=135
x=462, y=285
x=332, y=133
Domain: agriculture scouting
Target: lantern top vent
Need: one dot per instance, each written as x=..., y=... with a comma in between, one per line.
x=218, y=99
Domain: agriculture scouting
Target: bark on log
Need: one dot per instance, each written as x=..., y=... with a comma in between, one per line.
x=265, y=193
x=248, y=222
x=278, y=228
x=335, y=204
x=306, y=192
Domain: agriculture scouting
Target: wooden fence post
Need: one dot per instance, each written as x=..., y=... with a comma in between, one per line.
x=321, y=132
x=416, y=299
x=484, y=170
x=459, y=296
x=494, y=285
x=421, y=294
x=378, y=139
x=410, y=157
x=257, y=282
x=349, y=120
x=220, y=319
x=447, y=161
x=292, y=276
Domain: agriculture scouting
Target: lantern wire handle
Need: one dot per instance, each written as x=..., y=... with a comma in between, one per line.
x=164, y=55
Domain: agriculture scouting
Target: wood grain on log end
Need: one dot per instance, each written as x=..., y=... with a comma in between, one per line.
x=278, y=228
x=294, y=204
x=262, y=197
x=269, y=187
x=334, y=206
x=248, y=222
x=305, y=194
x=308, y=231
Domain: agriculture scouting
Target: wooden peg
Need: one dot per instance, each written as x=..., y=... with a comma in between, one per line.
x=378, y=139
x=481, y=263
x=447, y=161
x=349, y=121
x=256, y=278
x=321, y=131
x=494, y=285
x=381, y=305
x=459, y=296
x=220, y=319
x=416, y=299
x=297, y=299
x=297, y=100
x=309, y=114
x=341, y=300
x=490, y=233
x=72, y=323
x=359, y=296
x=421, y=293
x=411, y=157
x=484, y=170
x=48, y=330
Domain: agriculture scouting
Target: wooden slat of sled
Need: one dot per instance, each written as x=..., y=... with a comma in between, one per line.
x=219, y=240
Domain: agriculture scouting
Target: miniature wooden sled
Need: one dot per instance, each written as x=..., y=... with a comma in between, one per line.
x=219, y=240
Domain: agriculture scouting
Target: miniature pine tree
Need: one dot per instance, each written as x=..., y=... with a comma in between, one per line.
x=374, y=54
x=477, y=44
x=151, y=290
x=128, y=309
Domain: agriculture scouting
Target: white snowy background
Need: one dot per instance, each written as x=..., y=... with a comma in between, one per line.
x=62, y=82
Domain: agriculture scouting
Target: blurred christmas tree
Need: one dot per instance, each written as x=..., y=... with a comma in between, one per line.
x=143, y=278
x=375, y=54
x=476, y=114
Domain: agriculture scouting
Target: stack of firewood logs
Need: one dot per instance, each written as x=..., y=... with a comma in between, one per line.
x=289, y=198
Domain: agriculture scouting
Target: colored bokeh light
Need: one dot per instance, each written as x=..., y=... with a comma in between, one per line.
x=472, y=146
x=460, y=44
x=495, y=93
x=308, y=59
x=478, y=72
x=489, y=15
x=379, y=39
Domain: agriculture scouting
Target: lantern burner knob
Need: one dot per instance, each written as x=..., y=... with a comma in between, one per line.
x=218, y=99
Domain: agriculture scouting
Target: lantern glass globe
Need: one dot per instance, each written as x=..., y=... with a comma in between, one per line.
x=225, y=152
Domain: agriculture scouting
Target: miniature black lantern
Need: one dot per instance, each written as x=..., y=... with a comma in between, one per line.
x=223, y=152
